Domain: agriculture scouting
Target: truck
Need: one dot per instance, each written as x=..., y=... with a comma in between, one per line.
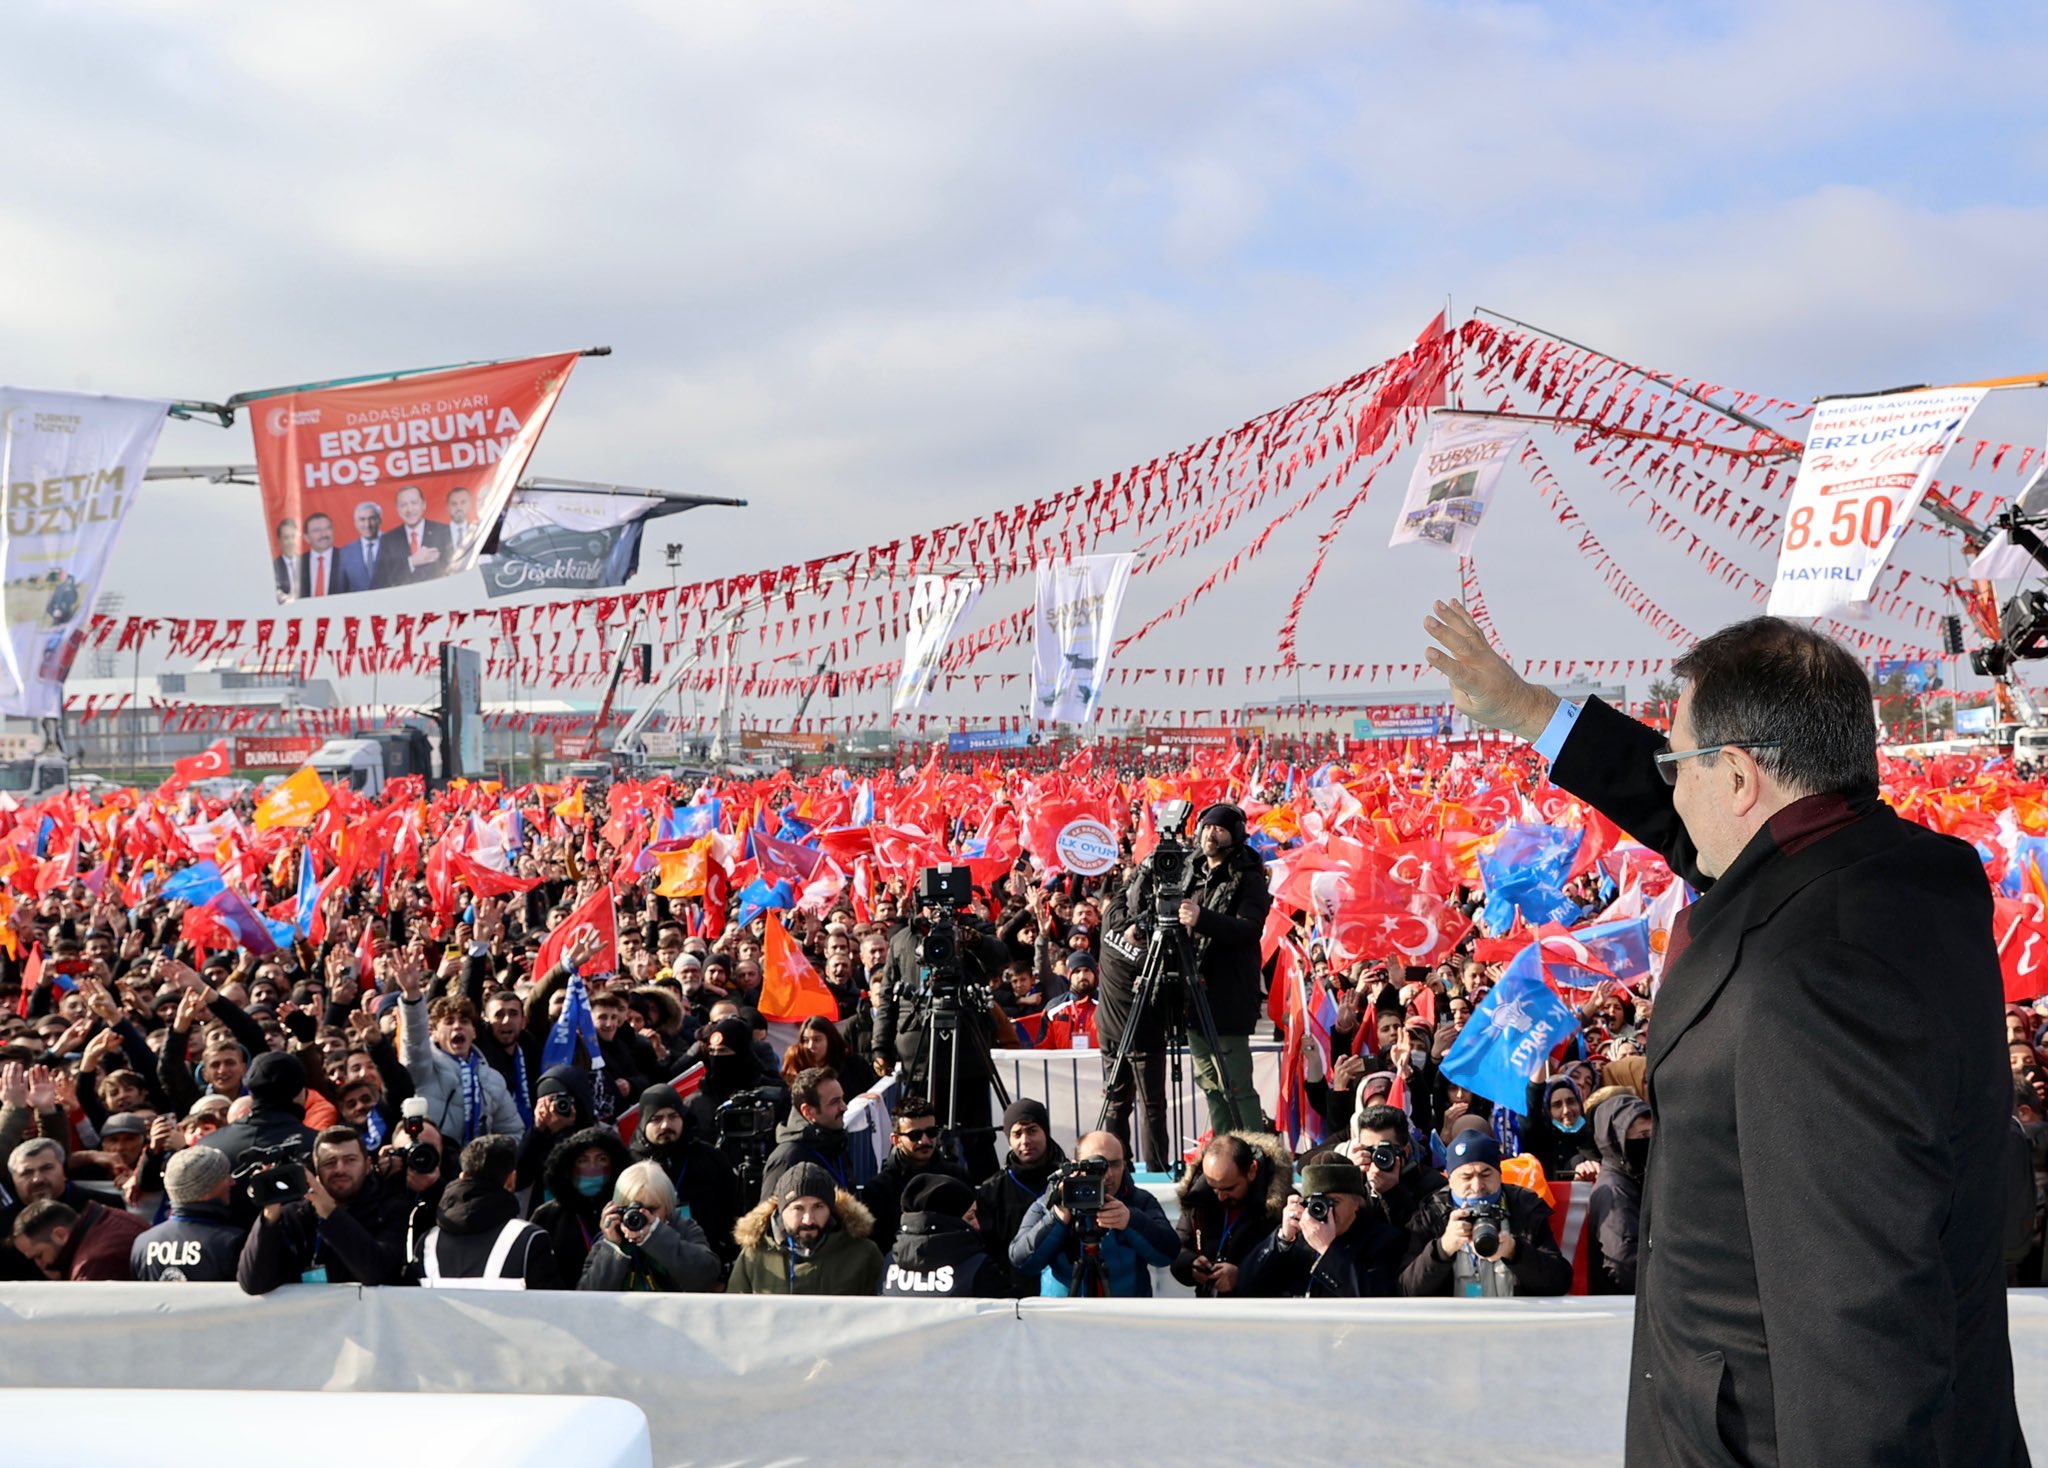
x=31, y=767
x=369, y=762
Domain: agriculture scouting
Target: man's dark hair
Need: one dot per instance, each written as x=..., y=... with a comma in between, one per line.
x=2024, y=1099
x=340, y=1135
x=491, y=1160
x=38, y=1219
x=1234, y=1150
x=803, y=1091
x=1383, y=1118
x=1768, y=678
x=915, y=1108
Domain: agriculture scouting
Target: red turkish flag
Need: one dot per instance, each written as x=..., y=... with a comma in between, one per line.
x=210, y=762
x=2022, y=949
x=594, y=914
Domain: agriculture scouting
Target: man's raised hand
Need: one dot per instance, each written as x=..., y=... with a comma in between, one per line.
x=1483, y=686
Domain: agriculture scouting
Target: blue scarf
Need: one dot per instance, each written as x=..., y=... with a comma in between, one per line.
x=373, y=1131
x=521, y=1090
x=472, y=1096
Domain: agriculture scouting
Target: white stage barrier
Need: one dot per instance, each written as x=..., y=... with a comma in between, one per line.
x=184, y=1429
x=743, y=1380
x=1069, y=1082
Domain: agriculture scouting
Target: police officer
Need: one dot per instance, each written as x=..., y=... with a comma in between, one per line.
x=198, y=1243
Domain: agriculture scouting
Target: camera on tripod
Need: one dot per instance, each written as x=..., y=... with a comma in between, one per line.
x=1077, y=1186
x=2023, y=621
x=748, y=1117
x=272, y=1175
x=941, y=892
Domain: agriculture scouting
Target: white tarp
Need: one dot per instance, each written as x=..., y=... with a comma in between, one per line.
x=937, y=606
x=1073, y=626
x=748, y=1380
x=1867, y=463
x=1454, y=480
x=71, y=464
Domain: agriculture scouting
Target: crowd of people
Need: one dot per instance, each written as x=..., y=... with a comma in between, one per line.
x=376, y=1105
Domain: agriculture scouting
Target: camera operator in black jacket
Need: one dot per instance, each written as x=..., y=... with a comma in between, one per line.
x=1224, y=912
x=348, y=1229
x=903, y=1029
x=1331, y=1243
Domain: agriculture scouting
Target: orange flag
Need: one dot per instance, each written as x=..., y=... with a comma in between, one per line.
x=684, y=873
x=791, y=990
x=294, y=803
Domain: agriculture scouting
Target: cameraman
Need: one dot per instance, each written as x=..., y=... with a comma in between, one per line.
x=1382, y=1146
x=903, y=1027
x=645, y=1247
x=1448, y=1239
x=1130, y=1234
x=1225, y=912
x=348, y=1229
x=1331, y=1243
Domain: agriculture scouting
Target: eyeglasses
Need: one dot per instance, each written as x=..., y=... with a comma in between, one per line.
x=922, y=1134
x=1668, y=758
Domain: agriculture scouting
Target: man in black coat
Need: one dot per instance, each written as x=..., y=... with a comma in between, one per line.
x=708, y=1190
x=277, y=1121
x=1230, y=1203
x=1806, y=1293
x=1444, y=1247
x=903, y=1032
x=350, y=1228
x=1332, y=1244
x=1002, y=1200
x=914, y=1152
x=1224, y=913
x=196, y=1244
x=939, y=1252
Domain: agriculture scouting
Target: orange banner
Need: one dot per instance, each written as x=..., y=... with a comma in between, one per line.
x=394, y=483
x=294, y=803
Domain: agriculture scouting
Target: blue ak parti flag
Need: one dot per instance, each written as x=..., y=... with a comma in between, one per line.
x=309, y=894
x=1504, y=1045
x=575, y=1023
x=195, y=884
x=1527, y=869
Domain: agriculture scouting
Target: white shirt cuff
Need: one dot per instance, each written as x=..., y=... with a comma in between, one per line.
x=1554, y=734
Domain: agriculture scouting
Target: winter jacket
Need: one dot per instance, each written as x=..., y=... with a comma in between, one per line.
x=1363, y=1262
x=196, y=1244
x=437, y=1076
x=571, y=1220
x=846, y=1261
x=1616, y=1202
x=1001, y=1202
x=940, y=1256
x=1537, y=1268
x=538, y=1143
x=707, y=1189
x=884, y=1192
x=1234, y=899
x=1418, y=1182
x=99, y=1245
x=1560, y=1152
x=466, y=1235
x=1049, y=1248
x=268, y=1126
x=364, y=1242
x=674, y=1259
x=797, y=1141
x=1228, y=1236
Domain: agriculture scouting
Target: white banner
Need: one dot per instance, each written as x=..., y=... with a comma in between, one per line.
x=937, y=605
x=1072, y=628
x=1867, y=462
x=1453, y=480
x=2001, y=560
x=72, y=464
x=564, y=540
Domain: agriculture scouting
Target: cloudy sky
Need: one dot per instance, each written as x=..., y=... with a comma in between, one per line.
x=883, y=266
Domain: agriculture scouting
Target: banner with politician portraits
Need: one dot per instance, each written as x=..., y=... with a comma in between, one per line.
x=394, y=483
x=72, y=463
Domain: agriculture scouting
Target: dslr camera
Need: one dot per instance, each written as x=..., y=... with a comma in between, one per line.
x=634, y=1219
x=421, y=1157
x=272, y=1175
x=1319, y=1206
x=1077, y=1186
x=1488, y=1219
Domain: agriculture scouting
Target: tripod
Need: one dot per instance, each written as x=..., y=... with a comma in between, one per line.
x=1168, y=968
x=1088, y=1280
x=945, y=1027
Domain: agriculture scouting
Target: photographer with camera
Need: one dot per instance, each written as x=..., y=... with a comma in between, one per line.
x=1223, y=907
x=645, y=1247
x=1482, y=1237
x=940, y=1004
x=349, y=1228
x=1332, y=1244
x=277, y=1089
x=1229, y=1204
x=1094, y=1232
x=1382, y=1147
